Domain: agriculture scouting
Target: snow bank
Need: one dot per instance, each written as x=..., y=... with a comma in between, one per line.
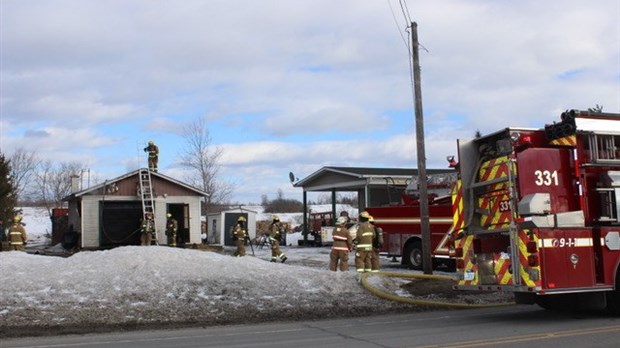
x=133, y=285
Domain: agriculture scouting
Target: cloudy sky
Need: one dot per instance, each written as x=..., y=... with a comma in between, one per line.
x=292, y=85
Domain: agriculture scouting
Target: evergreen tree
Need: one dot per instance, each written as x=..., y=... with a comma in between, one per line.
x=8, y=196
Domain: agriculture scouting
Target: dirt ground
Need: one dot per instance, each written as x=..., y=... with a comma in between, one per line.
x=439, y=289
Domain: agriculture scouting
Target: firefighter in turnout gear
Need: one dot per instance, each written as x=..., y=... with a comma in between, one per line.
x=275, y=237
x=171, y=230
x=147, y=229
x=153, y=155
x=377, y=244
x=343, y=244
x=363, y=243
x=17, y=234
x=239, y=236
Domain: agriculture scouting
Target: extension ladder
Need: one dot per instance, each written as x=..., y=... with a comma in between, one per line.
x=148, y=205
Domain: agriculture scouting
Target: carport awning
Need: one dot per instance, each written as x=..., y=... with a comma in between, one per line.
x=356, y=178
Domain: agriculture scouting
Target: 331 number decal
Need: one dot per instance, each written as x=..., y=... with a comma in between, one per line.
x=504, y=206
x=546, y=178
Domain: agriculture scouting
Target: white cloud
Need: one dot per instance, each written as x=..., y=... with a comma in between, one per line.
x=269, y=73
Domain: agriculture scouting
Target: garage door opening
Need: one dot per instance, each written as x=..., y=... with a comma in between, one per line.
x=119, y=223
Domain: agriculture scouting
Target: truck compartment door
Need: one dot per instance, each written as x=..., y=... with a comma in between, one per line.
x=567, y=258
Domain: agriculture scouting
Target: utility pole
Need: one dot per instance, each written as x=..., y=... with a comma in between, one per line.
x=422, y=181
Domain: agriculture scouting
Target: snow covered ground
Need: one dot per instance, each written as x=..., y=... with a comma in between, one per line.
x=134, y=286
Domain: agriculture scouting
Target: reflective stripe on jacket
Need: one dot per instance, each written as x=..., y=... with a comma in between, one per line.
x=17, y=234
x=365, y=235
x=342, y=239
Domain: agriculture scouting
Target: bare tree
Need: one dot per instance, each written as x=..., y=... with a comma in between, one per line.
x=23, y=166
x=324, y=198
x=53, y=182
x=202, y=157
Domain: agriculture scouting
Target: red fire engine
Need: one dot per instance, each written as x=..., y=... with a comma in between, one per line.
x=540, y=213
x=401, y=223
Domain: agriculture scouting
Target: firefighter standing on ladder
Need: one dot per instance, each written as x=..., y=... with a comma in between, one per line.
x=339, y=256
x=239, y=235
x=275, y=236
x=363, y=242
x=17, y=234
x=153, y=158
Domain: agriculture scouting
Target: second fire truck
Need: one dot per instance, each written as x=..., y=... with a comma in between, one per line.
x=402, y=229
x=539, y=214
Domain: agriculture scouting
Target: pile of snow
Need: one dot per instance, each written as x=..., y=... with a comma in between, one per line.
x=153, y=285
x=137, y=286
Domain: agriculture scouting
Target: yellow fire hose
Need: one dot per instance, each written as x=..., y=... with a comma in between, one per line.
x=392, y=297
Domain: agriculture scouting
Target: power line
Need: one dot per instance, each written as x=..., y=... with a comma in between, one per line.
x=405, y=41
x=405, y=10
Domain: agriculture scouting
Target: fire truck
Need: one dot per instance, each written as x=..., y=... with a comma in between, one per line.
x=401, y=224
x=538, y=213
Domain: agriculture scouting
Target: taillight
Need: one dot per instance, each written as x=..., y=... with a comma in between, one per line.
x=532, y=260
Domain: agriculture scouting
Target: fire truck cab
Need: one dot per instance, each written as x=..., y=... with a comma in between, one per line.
x=540, y=213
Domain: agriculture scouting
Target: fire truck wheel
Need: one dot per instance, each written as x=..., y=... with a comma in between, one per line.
x=551, y=304
x=412, y=255
x=613, y=302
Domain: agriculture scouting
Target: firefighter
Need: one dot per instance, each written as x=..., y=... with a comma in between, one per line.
x=147, y=229
x=17, y=235
x=171, y=230
x=239, y=236
x=343, y=244
x=377, y=244
x=153, y=155
x=363, y=243
x=275, y=237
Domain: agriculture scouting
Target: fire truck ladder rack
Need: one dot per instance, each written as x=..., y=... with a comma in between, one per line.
x=148, y=205
x=509, y=228
x=481, y=187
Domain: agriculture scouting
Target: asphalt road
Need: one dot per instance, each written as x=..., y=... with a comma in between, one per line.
x=514, y=326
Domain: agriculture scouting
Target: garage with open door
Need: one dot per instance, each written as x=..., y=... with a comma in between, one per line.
x=108, y=214
x=120, y=223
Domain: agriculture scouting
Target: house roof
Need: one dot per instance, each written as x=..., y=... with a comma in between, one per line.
x=350, y=178
x=130, y=174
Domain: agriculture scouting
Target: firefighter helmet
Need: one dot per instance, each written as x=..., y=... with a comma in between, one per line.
x=371, y=219
x=275, y=218
x=365, y=215
x=168, y=215
x=341, y=220
x=17, y=219
x=241, y=219
x=151, y=142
